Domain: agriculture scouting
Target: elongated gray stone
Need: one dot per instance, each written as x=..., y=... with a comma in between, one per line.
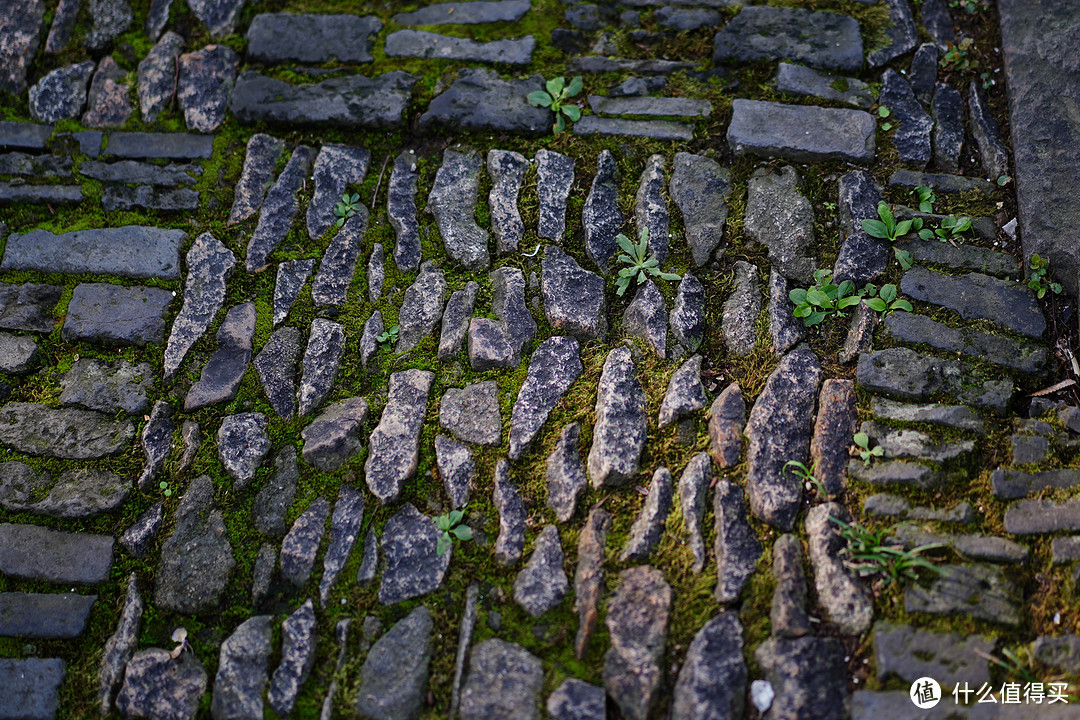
x=553, y=368
x=565, y=474
x=433, y=46
x=67, y=433
x=455, y=320
x=394, y=676
x=157, y=17
x=508, y=304
x=820, y=39
x=185, y=146
x=656, y=129
x=785, y=329
x=133, y=171
x=542, y=583
x=376, y=272
x=274, y=499
x=116, y=315
x=693, y=486
x=22, y=33
x=301, y=543
x=600, y=214
x=910, y=653
x=700, y=188
x=947, y=137
x=659, y=106
x=44, y=616
x=901, y=32
x=808, y=675
x=977, y=296
x=637, y=619
x=221, y=376
x=157, y=76
x=369, y=339
x=321, y=362
x=298, y=647
x=466, y=13
x=107, y=387
x=412, y=564
x=394, y=444
x=650, y=207
x=944, y=182
x=137, y=538
x=338, y=264
x=504, y=681
x=741, y=310
x=799, y=80
x=421, y=307
x=1023, y=357
x=574, y=298
x=263, y=152
x=589, y=575
x=620, y=429
x=120, y=646
x=712, y=681
x=648, y=66
x=554, y=178
x=982, y=591
x=33, y=552
x=646, y=318
x=119, y=197
x=507, y=171
x=456, y=468
x=912, y=134
x=332, y=439
x=687, y=319
x=779, y=217
x=845, y=599
x=23, y=135
x=18, y=163
x=507, y=500
x=209, y=265
x=649, y=526
x=108, y=101
x=885, y=505
x=156, y=684
x=132, y=251
x=291, y=276
x=787, y=616
x=833, y=429
x=336, y=167
x=243, y=442
x=279, y=208
x=219, y=16
x=482, y=101
x=862, y=258
x=768, y=129
x=453, y=201
x=1013, y=484
x=685, y=394
x=77, y=493
x=156, y=440
x=737, y=546
x=972, y=545
x=401, y=211
x=276, y=366
x=310, y=39
x=242, y=671
x=923, y=73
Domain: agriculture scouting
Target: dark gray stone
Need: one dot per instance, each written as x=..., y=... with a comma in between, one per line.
x=586, y=16
x=108, y=387
x=279, y=208
x=912, y=128
x=977, y=296
x=157, y=17
x=276, y=366
x=369, y=562
x=369, y=340
x=897, y=473
x=885, y=505
x=565, y=474
x=780, y=218
x=18, y=353
x=963, y=257
x=741, y=310
x=860, y=335
x=133, y=251
x=779, y=430
x=1013, y=484
x=973, y=546
x=376, y=272
x=291, y=277
x=338, y=265
x=221, y=376
x=156, y=685
x=108, y=101
x=421, y=307
x=243, y=442
x=274, y=499
x=488, y=346
x=22, y=33
x=901, y=31
x=847, y=602
x=685, y=394
x=110, y=19
x=32, y=552
x=453, y=202
x=394, y=677
x=700, y=188
x=192, y=439
x=809, y=676
x=647, y=529
x=350, y=101
x=637, y=619
x=507, y=171
x=554, y=178
x=650, y=207
x=507, y=500
x=589, y=575
x=687, y=319
x=681, y=19
x=737, y=547
x=17, y=163
x=923, y=73
x=179, y=146
x=574, y=299
x=51, y=616
x=942, y=182
x=938, y=23
x=66, y=433
x=993, y=155
x=197, y=559
x=456, y=468
x=298, y=646
x=336, y=167
x=203, y=86
x=910, y=653
x=242, y=671
x=472, y=413
x=787, y=617
x=401, y=211
x=656, y=129
x=508, y=304
x=1026, y=358
x=1058, y=652
x=120, y=646
x=77, y=493
x=600, y=214
x=275, y=38
x=985, y=592
x=649, y=66
x=820, y=39
x=138, y=538
x=620, y=429
x=433, y=46
x=1035, y=517
x=301, y=543
x=61, y=94
x=914, y=444
x=646, y=318
x=799, y=80
x=394, y=446
x=727, y=416
x=157, y=76
x=209, y=265
x=954, y=416
x=219, y=16
x=632, y=86
x=466, y=13
x=504, y=681
x=908, y=375
x=650, y=106
x=712, y=682
x=785, y=330
x=833, y=429
x=263, y=153
x=11, y=194
x=263, y=572
x=133, y=171
x=577, y=700
x=693, y=486
x=1028, y=450
x=412, y=567
x=148, y=198
x=23, y=135
x=542, y=583
x=321, y=362
x=332, y=439
x=480, y=100
x=455, y=321
x=553, y=368
x=775, y=130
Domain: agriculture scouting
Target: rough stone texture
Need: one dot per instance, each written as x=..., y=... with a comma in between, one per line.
x=1026, y=358
x=647, y=529
x=298, y=644
x=504, y=681
x=137, y=538
x=902, y=33
x=650, y=206
x=955, y=416
x=508, y=304
x=788, y=616
x=197, y=559
x=727, y=416
x=263, y=572
x=574, y=298
x=394, y=446
x=741, y=310
x=321, y=362
x=336, y=167
x=242, y=671
x=243, y=441
x=947, y=138
x=263, y=152
x=600, y=215
x=785, y=329
x=29, y=306
x=338, y=264
x=963, y=257
x=66, y=433
x=488, y=346
x=132, y=251
x=369, y=339
x=909, y=375
x=768, y=129
x=18, y=353
x=290, y=280
x=276, y=366
x=554, y=177
x=589, y=575
x=17, y=163
x=1013, y=484
x=23, y=135
x=911, y=135
x=993, y=155
x=836, y=423
x=301, y=543
x=620, y=428
x=21, y=30
x=32, y=687
x=685, y=394
x=108, y=103
x=944, y=182
x=565, y=474
x=480, y=100
x=577, y=700
x=1035, y=517
x=332, y=439
x=885, y=505
x=433, y=46
x=507, y=500
x=61, y=94
x=13, y=193
x=421, y=307
x=120, y=646
x=149, y=198
x=401, y=211
x=394, y=677
x=820, y=39
x=205, y=81
x=279, y=208
x=116, y=315
x=779, y=217
x=910, y=653
x=209, y=265
x=972, y=546
x=779, y=430
x=274, y=499
x=712, y=681
x=133, y=171
x=219, y=16
x=412, y=565
x=466, y=13
x=809, y=676
x=1058, y=652
x=456, y=468
x=369, y=562
x=985, y=592
x=799, y=80
x=843, y=597
x=77, y=493
x=737, y=546
x=646, y=318
x=157, y=77
x=553, y=368
x=687, y=319
x=376, y=272
x=221, y=376
x=507, y=171
x=275, y=38
x=637, y=619
x=700, y=187
x=542, y=583
x=648, y=66
x=158, y=686
x=923, y=73
x=37, y=553
x=455, y=320
x=472, y=413
x=978, y=297
x=44, y=616
x=183, y=146
x=656, y=129
x=693, y=486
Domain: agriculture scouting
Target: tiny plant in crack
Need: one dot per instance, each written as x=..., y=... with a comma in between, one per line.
x=862, y=447
x=887, y=228
x=165, y=489
x=886, y=301
x=388, y=336
x=451, y=527
x=1040, y=266
x=640, y=263
x=949, y=231
x=883, y=113
x=799, y=470
x=871, y=553
x=823, y=299
x=926, y=198
x=557, y=96
x=346, y=208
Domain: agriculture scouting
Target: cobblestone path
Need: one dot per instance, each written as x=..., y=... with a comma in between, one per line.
x=334, y=384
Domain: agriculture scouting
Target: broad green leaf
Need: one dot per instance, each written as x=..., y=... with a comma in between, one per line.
x=885, y=214
x=650, y=263
x=847, y=302
x=925, y=207
x=572, y=111
x=903, y=228
x=888, y=293
x=926, y=234
x=904, y=258
x=962, y=225
x=875, y=228
x=877, y=451
x=862, y=439
x=883, y=111
x=814, y=319
x=628, y=272
x=886, y=126
x=555, y=86
x=670, y=277
x=797, y=296
x=625, y=244
x=816, y=297
x=463, y=532
x=845, y=288
x=443, y=544
x=340, y=222
x=539, y=98
x=442, y=522
x=876, y=304
x=456, y=516
x=355, y=198
x=394, y=330
x=1056, y=287
x=623, y=258
x=802, y=310
x=916, y=223
x=641, y=277
x=621, y=284
x=560, y=124
x=574, y=87
x=902, y=305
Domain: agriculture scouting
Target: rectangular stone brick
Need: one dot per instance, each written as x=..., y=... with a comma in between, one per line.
x=801, y=133
x=133, y=251
x=32, y=552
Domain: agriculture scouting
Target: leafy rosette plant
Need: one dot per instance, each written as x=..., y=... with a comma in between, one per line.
x=557, y=98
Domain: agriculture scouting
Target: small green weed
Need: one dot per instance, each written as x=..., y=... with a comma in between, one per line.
x=1040, y=266
x=557, y=96
x=799, y=470
x=956, y=56
x=969, y=6
x=927, y=198
x=884, y=112
x=869, y=553
x=451, y=527
x=639, y=263
x=867, y=453
x=388, y=336
x=949, y=230
x=823, y=299
x=346, y=208
x=166, y=490
x=886, y=301
x=887, y=228
x=1011, y=664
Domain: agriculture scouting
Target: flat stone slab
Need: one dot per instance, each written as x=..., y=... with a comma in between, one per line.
x=32, y=552
x=145, y=145
x=648, y=66
x=964, y=257
x=133, y=251
x=28, y=307
x=1036, y=517
x=133, y=171
x=481, y=99
x=978, y=297
x=1014, y=484
x=32, y=687
x=960, y=417
x=108, y=387
x=985, y=592
x=350, y=101
x=656, y=129
x=44, y=616
x=661, y=106
x=799, y=80
x=67, y=433
x=820, y=39
x=40, y=194
x=24, y=135
x=117, y=315
x=942, y=182
x=394, y=445
x=311, y=39
x=413, y=566
x=1023, y=357
x=553, y=368
x=911, y=653
x=801, y=133
x=909, y=375
x=466, y=13
x=433, y=46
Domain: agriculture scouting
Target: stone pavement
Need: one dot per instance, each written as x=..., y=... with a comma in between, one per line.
x=328, y=392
